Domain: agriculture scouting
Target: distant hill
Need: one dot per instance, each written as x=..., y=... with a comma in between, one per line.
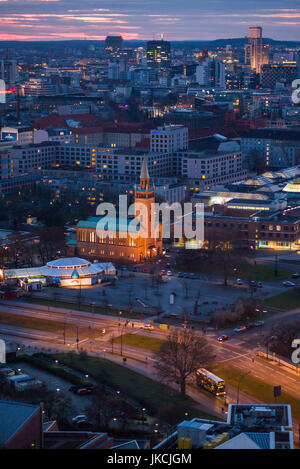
x=84, y=44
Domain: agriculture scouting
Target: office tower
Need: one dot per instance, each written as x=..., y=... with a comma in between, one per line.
x=113, y=46
x=256, y=53
x=159, y=54
x=9, y=71
x=211, y=74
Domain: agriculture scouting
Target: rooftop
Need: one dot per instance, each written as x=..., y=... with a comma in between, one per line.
x=13, y=415
x=272, y=134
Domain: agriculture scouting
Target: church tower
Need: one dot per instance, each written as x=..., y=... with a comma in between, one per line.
x=145, y=194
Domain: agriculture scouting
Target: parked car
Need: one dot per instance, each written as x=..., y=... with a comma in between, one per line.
x=79, y=418
x=259, y=323
x=186, y=275
x=259, y=284
x=223, y=338
x=180, y=274
x=168, y=265
x=239, y=281
x=253, y=283
x=288, y=284
x=192, y=276
x=163, y=272
x=169, y=273
x=240, y=328
x=146, y=271
x=296, y=275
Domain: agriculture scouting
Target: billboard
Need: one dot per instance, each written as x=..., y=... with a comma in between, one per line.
x=9, y=136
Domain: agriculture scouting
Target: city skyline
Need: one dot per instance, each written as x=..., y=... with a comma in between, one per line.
x=63, y=19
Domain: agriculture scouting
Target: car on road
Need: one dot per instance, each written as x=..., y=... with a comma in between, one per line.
x=168, y=265
x=296, y=275
x=169, y=273
x=239, y=281
x=259, y=323
x=163, y=272
x=253, y=283
x=288, y=284
x=180, y=274
x=146, y=271
x=79, y=418
x=148, y=327
x=192, y=276
x=259, y=284
x=223, y=338
x=240, y=328
x=185, y=275
x=84, y=391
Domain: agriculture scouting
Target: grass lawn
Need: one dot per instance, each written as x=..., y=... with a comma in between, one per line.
x=41, y=324
x=141, y=341
x=255, y=387
x=31, y=322
x=156, y=397
x=261, y=273
x=290, y=299
x=83, y=307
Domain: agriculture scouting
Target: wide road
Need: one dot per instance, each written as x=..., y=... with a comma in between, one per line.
x=236, y=352
x=141, y=360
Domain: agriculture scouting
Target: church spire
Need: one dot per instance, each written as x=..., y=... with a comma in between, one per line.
x=144, y=176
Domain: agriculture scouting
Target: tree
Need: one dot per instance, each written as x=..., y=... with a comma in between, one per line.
x=180, y=356
x=225, y=250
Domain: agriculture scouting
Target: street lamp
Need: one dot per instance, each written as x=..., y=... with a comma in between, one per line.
x=239, y=383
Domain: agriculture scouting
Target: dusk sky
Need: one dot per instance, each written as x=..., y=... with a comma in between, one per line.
x=133, y=19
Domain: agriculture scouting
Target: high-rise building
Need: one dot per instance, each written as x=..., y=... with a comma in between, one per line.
x=256, y=52
x=9, y=71
x=159, y=54
x=113, y=46
x=211, y=74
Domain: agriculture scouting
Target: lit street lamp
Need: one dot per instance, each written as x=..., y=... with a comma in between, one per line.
x=239, y=383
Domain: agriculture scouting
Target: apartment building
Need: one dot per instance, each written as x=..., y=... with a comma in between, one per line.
x=169, y=138
x=204, y=168
x=278, y=148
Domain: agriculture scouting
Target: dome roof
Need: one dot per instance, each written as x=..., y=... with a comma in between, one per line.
x=68, y=262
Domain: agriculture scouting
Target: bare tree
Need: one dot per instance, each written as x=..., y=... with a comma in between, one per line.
x=181, y=355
